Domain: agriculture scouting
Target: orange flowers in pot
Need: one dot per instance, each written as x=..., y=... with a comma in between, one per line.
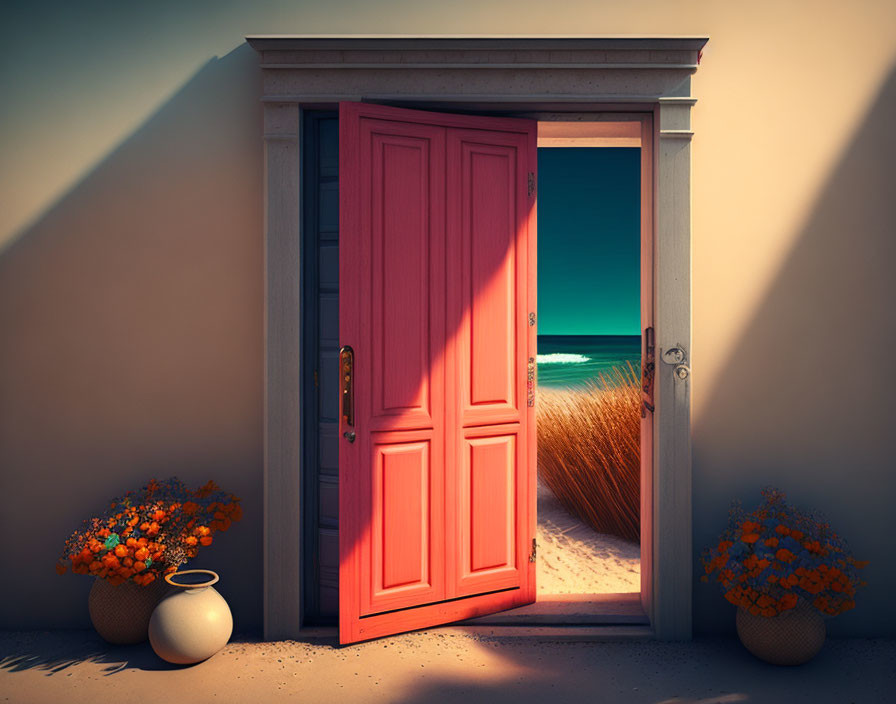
x=769, y=559
x=148, y=533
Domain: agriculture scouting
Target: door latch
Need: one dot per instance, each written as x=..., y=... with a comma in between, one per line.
x=648, y=372
x=678, y=358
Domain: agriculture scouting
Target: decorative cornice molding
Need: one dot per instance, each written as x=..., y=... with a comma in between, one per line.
x=264, y=42
x=325, y=69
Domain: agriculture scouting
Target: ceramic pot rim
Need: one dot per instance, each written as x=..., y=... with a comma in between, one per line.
x=214, y=579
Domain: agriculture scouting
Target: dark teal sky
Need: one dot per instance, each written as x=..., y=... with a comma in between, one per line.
x=589, y=243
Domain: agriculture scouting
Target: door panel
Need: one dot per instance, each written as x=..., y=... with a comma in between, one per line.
x=484, y=210
x=407, y=550
x=404, y=263
x=437, y=490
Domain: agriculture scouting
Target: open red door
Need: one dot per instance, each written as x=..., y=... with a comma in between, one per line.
x=437, y=299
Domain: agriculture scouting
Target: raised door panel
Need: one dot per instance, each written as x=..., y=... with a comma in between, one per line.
x=485, y=208
x=489, y=520
x=404, y=273
x=406, y=550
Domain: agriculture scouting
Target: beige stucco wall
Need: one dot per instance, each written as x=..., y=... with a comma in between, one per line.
x=131, y=270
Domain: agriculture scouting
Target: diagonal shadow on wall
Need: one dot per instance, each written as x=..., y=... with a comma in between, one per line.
x=806, y=399
x=131, y=317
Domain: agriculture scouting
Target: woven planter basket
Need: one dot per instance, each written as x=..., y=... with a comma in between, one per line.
x=120, y=614
x=793, y=637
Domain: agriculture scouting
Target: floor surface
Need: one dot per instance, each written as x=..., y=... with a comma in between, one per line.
x=441, y=665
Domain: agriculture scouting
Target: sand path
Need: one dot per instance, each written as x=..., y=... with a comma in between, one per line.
x=573, y=559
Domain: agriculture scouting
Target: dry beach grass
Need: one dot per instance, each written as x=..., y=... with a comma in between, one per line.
x=589, y=452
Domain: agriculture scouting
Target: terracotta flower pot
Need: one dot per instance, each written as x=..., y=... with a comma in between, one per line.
x=192, y=623
x=793, y=637
x=120, y=613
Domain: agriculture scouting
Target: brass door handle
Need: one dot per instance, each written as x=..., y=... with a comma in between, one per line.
x=347, y=384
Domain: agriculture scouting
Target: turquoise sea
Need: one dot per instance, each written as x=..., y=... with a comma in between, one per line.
x=566, y=361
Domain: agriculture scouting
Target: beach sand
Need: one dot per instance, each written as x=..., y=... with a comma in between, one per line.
x=574, y=559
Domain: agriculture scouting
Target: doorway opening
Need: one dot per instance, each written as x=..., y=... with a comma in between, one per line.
x=585, y=573
x=589, y=362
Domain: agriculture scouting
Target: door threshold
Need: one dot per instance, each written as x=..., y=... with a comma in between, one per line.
x=568, y=633
x=585, y=617
x=622, y=609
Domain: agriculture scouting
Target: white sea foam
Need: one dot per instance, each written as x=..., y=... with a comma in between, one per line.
x=562, y=358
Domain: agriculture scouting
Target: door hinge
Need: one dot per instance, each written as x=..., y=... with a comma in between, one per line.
x=534, y=550
x=531, y=183
x=531, y=319
x=530, y=382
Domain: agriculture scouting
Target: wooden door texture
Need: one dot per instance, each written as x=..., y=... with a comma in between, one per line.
x=437, y=283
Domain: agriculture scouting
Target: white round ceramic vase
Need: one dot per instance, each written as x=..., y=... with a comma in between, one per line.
x=194, y=622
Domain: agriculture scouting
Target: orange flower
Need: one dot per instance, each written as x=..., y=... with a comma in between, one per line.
x=206, y=540
x=783, y=530
x=60, y=568
x=771, y=542
x=750, y=538
x=784, y=555
x=121, y=550
x=139, y=566
x=191, y=540
x=788, y=601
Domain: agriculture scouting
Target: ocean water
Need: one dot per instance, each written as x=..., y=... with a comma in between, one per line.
x=566, y=361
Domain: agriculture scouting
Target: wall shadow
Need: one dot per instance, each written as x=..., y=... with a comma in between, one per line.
x=132, y=325
x=805, y=401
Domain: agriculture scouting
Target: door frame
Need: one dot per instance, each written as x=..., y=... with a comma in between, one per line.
x=563, y=76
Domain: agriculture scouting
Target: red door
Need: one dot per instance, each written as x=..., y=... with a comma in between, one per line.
x=437, y=283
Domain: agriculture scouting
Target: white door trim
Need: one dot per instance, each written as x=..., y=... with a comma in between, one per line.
x=496, y=74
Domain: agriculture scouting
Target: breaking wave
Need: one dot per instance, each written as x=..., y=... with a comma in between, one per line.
x=562, y=358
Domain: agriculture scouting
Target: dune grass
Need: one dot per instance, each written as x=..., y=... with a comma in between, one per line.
x=589, y=451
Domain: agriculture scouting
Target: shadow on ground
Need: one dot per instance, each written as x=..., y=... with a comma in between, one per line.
x=55, y=653
x=445, y=665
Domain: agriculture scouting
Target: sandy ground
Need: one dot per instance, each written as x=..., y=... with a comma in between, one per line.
x=444, y=665
x=573, y=559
